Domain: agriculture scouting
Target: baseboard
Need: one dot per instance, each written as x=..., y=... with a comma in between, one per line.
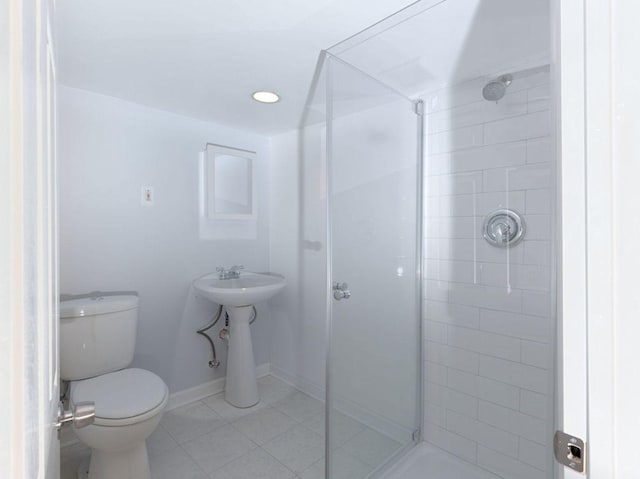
x=186, y=396
x=300, y=383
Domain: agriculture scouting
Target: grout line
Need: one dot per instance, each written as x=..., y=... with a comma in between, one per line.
x=477, y=398
x=521, y=192
x=483, y=145
x=480, y=354
x=480, y=308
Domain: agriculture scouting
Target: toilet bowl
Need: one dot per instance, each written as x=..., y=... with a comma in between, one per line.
x=97, y=337
x=129, y=405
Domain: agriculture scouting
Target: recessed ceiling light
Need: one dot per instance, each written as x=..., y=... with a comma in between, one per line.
x=266, y=97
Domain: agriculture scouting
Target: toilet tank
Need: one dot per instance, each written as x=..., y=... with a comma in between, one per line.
x=97, y=335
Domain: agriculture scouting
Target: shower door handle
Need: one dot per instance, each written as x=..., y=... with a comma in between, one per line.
x=341, y=291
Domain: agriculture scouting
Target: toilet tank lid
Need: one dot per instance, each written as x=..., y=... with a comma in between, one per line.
x=77, y=308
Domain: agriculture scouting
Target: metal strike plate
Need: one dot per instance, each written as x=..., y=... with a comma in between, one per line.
x=570, y=451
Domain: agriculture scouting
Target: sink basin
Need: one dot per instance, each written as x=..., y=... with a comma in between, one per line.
x=249, y=288
x=241, y=386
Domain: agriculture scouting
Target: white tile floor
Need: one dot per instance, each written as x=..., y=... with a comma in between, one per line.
x=282, y=437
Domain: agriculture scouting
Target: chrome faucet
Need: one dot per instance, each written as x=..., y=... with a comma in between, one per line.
x=231, y=273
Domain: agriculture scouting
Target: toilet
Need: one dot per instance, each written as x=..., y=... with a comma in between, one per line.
x=97, y=341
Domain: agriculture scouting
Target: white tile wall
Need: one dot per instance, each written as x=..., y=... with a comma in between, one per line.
x=488, y=320
x=539, y=150
x=514, y=325
x=493, y=156
x=517, y=177
x=505, y=466
x=455, y=139
x=523, y=127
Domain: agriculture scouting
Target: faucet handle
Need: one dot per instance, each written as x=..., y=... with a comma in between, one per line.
x=236, y=268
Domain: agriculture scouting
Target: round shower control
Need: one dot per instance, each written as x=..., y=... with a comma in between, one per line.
x=503, y=228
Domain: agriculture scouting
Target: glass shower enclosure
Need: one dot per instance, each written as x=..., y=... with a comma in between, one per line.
x=429, y=170
x=373, y=235
x=368, y=143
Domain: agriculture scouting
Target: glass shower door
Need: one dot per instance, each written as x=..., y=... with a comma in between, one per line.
x=374, y=303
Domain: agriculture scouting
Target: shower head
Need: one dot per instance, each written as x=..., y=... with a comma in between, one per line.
x=495, y=90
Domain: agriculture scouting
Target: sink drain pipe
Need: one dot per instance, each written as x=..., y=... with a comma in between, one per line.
x=224, y=333
x=214, y=363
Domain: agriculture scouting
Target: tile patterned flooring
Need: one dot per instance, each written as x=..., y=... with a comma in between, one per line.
x=282, y=437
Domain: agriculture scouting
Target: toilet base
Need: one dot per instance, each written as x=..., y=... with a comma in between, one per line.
x=132, y=463
x=83, y=469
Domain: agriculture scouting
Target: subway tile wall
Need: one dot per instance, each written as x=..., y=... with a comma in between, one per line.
x=489, y=323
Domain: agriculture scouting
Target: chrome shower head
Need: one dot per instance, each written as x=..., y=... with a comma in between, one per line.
x=495, y=90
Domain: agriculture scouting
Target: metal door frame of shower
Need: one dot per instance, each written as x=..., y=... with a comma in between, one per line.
x=417, y=107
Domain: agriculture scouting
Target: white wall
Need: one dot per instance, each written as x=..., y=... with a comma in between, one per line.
x=297, y=234
x=109, y=149
x=489, y=341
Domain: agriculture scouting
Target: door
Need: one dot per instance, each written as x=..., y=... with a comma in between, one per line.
x=28, y=245
x=374, y=366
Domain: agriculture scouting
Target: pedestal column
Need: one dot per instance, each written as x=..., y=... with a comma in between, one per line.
x=241, y=388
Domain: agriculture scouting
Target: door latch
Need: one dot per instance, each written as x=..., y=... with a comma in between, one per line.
x=570, y=451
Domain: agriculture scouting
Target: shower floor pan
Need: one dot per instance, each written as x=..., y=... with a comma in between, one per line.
x=427, y=462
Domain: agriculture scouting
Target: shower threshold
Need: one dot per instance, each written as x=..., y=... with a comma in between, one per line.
x=427, y=461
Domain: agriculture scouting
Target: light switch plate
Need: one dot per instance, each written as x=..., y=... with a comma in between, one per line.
x=147, y=197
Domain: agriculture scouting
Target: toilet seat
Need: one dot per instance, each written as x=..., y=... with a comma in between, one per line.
x=122, y=397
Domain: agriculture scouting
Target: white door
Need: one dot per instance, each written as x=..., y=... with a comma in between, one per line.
x=29, y=447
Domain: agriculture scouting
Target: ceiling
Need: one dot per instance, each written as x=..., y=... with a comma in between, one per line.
x=437, y=43
x=203, y=59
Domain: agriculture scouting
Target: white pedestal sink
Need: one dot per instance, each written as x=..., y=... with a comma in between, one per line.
x=238, y=295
